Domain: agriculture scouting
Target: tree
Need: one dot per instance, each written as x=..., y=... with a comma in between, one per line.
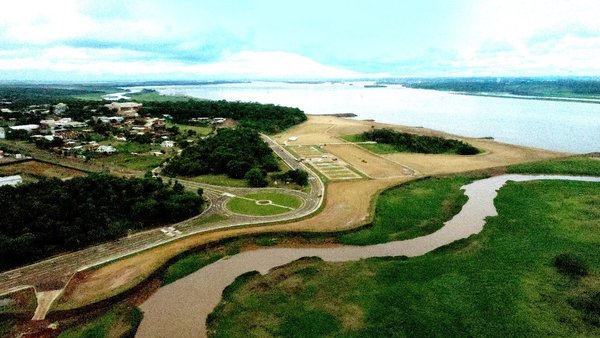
x=256, y=177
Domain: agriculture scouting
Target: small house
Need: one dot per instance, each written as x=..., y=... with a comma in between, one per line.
x=167, y=144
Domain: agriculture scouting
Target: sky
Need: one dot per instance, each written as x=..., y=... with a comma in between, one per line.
x=84, y=40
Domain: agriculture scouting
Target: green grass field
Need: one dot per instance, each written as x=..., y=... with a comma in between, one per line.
x=565, y=166
x=377, y=148
x=248, y=206
x=154, y=96
x=501, y=282
x=119, y=321
x=411, y=210
x=222, y=180
x=200, y=131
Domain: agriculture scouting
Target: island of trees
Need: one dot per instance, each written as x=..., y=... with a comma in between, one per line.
x=53, y=216
x=405, y=142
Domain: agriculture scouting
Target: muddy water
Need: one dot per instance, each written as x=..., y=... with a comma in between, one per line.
x=180, y=309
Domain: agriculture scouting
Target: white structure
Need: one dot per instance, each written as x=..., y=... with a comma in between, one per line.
x=60, y=108
x=27, y=127
x=106, y=149
x=219, y=120
x=11, y=180
x=111, y=119
x=167, y=144
x=2, y=133
x=293, y=138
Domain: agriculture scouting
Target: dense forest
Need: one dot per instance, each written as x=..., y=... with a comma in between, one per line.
x=405, y=142
x=558, y=87
x=53, y=216
x=266, y=118
x=230, y=151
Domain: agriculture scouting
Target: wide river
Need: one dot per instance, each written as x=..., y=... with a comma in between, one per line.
x=562, y=126
x=180, y=309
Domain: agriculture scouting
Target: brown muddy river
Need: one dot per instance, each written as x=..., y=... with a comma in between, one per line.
x=180, y=309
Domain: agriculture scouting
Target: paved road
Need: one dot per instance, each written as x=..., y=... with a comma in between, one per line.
x=54, y=273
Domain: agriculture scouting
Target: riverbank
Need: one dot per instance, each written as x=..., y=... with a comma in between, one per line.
x=165, y=312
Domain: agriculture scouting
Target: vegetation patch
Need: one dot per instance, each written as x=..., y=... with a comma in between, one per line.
x=497, y=283
x=563, y=166
x=412, y=210
x=52, y=216
x=119, y=321
x=391, y=141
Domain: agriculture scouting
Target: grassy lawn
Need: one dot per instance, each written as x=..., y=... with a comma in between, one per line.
x=200, y=131
x=222, y=179
x=119, y=321
x=124, y=157
x=249, y=207
x=565, y=166
x=154, y=96
x=411, y=210
x=504, y=281
x=377, y=148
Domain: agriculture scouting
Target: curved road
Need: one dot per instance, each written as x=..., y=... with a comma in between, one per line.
x=54, y=273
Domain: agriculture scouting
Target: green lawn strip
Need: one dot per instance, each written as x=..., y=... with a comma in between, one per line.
x=247, y=204
x=188, y=264
x=222, y=180
x=277, y=198
x=412, y=210
x=564, y=166
x=377, y=148
x=154, y=96
x=119, y=321
x=501, y=282
x=183, y=128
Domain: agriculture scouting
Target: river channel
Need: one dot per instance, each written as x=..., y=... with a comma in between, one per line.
x=180, y=309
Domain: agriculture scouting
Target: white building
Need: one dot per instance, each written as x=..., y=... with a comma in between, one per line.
x=167, y=144
x=27, y=127
x=60, y=108
x=11, y=180
x=106, y=149
x=2, y=133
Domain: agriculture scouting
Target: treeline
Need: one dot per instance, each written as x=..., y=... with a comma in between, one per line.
x=266, y=118
x=405, y=142
x=53, y=216
x=561, y=87
x=234, y=152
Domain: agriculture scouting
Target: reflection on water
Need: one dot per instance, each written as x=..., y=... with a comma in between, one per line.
x=180, y=309
x=563, y=126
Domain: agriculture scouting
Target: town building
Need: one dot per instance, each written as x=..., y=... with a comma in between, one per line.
x=167, y=144
x=126, y=109
x=27, y=127
x=106, y=150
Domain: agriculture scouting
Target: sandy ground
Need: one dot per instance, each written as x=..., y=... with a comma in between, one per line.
x=496, y=154
x=370, y=164
x=348, y=204
x=328, y=130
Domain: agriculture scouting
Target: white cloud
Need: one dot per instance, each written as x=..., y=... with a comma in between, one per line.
x=247, y=64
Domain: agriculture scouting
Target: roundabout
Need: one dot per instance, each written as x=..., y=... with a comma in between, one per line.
x=264, y=203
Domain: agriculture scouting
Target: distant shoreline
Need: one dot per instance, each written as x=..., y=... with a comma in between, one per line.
x=524, y=97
